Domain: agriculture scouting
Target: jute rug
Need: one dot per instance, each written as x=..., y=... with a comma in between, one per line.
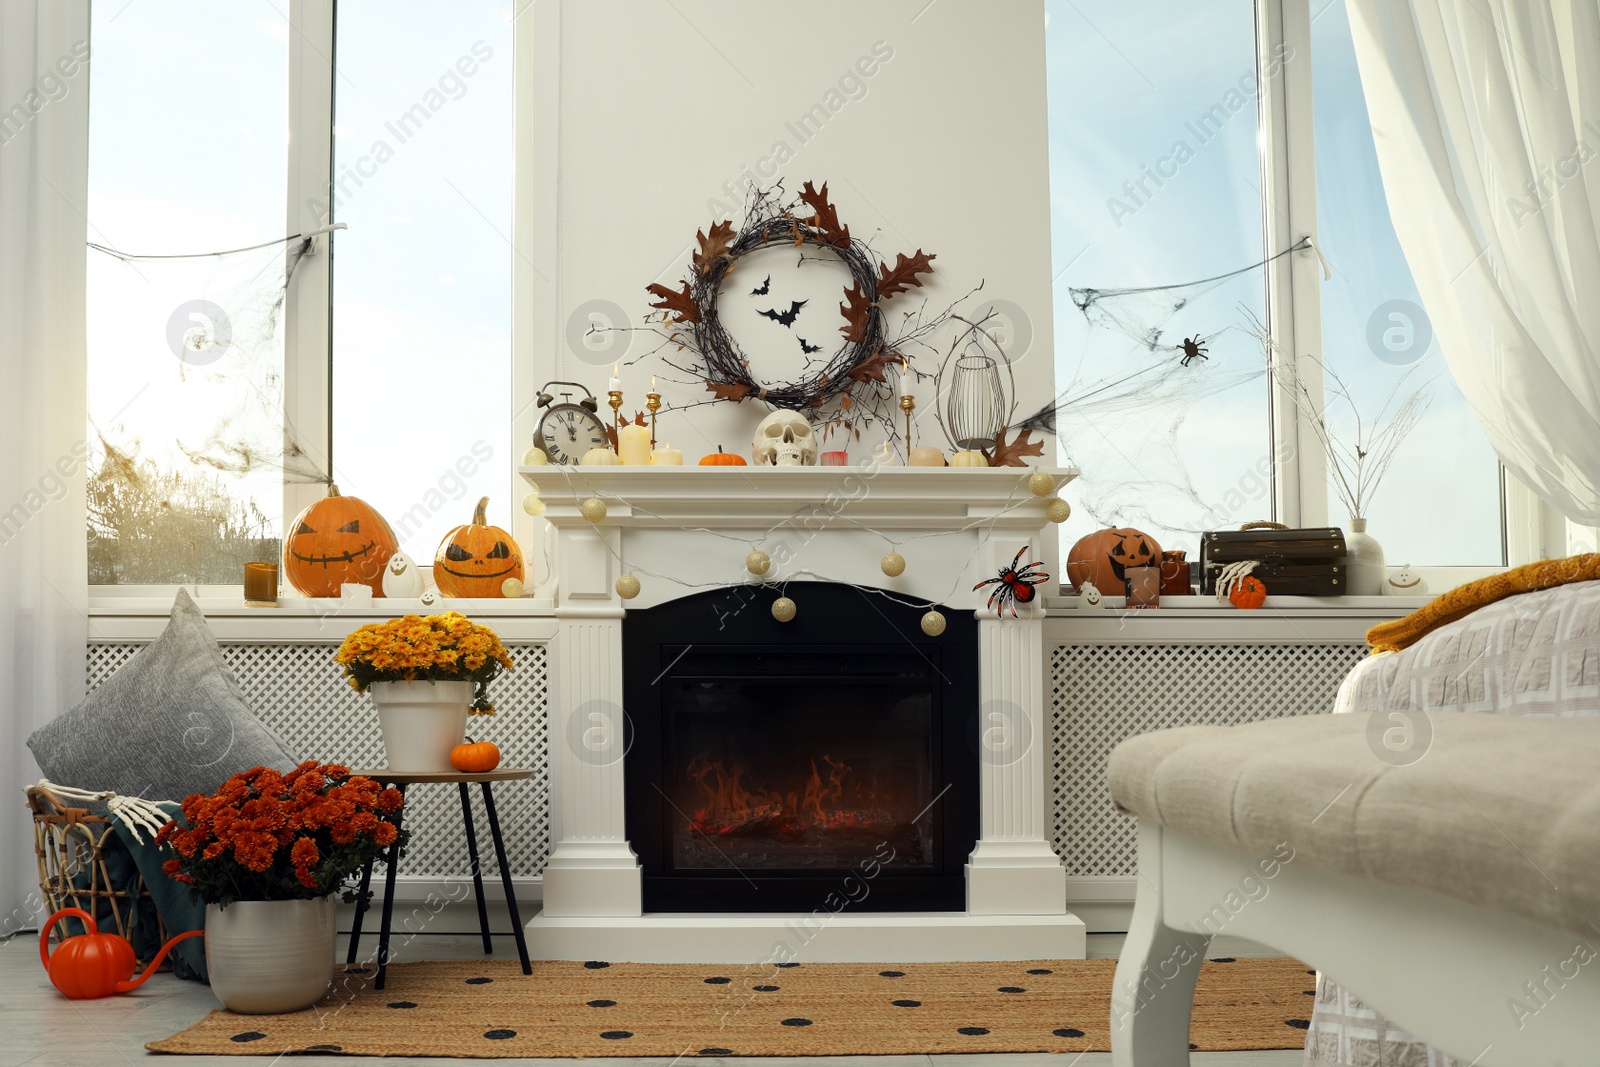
x=489, y=1009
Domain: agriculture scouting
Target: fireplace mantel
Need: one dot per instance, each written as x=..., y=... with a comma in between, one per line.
x=682, y=530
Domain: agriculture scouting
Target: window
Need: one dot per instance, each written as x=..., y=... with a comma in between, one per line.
x=1177, y=152
x=208, y=425
x=185, y=363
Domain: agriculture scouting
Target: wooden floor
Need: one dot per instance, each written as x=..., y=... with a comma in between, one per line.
x=40, y=1028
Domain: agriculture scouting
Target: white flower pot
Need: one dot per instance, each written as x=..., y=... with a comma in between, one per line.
x=267, y=957
x=421, y=722
x=1363, y=558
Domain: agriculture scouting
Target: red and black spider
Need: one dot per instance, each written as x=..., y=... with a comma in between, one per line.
x=1193, y=348
x=1013, y=584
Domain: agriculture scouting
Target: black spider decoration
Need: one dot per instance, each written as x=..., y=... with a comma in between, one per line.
x=1193, y=348
x=1014, y=584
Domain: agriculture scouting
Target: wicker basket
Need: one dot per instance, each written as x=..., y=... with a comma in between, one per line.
x=68, y=842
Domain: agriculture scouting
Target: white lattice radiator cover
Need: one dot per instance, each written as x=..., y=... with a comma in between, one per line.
x=1103, y=693
x=301, y=695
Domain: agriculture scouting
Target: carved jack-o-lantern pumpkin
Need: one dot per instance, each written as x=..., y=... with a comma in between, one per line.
x=1103, y=557
x=476, y=559
x=336, y=541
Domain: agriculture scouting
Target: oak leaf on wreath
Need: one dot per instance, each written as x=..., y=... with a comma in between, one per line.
x=675, y=303
x=712, y=245
x=734, y=391
x=825, y=216
x=903, y=275
x=856, y=312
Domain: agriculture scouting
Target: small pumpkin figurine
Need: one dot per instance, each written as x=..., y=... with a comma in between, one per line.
x=1248, y=592
x=336, y=541
x=475, y=757
x=1102, y=558
x=475, y=560
x=719, y=458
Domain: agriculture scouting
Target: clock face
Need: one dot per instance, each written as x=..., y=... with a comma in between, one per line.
x=567, y=431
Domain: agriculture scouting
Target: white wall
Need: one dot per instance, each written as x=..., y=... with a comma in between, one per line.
x=644, y=111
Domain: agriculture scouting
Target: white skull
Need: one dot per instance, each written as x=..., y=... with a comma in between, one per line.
x=785, y=439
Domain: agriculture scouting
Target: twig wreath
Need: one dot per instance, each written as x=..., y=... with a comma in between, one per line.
x=690, y=322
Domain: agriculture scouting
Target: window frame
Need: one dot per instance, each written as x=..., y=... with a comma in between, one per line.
x=1531, y=529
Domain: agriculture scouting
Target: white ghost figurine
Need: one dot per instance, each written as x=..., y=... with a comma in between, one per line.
x=401, y=577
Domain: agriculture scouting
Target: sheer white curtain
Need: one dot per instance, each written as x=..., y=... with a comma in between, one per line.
x=44, y=123
x=1486, y=118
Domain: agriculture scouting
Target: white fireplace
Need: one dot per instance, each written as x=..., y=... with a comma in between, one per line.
x=686, y=530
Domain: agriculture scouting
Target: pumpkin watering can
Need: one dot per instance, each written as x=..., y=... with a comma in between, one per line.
x=95, y=965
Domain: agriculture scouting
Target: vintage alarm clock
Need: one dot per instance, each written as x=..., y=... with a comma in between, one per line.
x=567, y=430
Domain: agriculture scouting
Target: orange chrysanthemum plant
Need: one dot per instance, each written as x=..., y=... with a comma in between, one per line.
x=433, y=648
x=270, y=836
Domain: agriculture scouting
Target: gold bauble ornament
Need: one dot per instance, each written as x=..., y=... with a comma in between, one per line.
x=1041, y=484
x=783, y=609
x=627, y=587
x=1058, y=510
x=757, y=562
x=893, y=564
x=532, y=504
x=511, y=588
x=933, y=624
x=594, y=509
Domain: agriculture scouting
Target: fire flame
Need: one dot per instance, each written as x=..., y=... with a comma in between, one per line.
x=828, y=799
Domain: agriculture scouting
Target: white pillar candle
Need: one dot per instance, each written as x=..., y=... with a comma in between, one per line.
x=927, y=456
x=633, y=445
x=666, y=456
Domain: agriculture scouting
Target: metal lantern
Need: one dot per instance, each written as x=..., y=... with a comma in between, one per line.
x=975, y=405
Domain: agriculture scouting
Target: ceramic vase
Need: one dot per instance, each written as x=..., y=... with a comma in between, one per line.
x=1363, y=560
x=421, y=722
x=268, y=957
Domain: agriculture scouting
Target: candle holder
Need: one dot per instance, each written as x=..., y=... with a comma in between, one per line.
x=260, y=585
x=908, y=404
x=652, y=401
x=616, y=419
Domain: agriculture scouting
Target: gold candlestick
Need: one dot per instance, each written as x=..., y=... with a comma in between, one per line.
x=653, y=402
x=908, y=404
x=616, y=419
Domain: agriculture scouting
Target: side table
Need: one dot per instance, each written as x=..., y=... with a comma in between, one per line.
x=403, y=779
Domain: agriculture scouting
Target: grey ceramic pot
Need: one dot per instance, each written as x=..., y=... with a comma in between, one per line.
x=267, y=957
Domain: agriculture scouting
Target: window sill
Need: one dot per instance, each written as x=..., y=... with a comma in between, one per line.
x=1200, y=607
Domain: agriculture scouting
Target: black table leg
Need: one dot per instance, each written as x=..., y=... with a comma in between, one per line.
x=361, y=911
x=505, y=876
x=477, y=868
x=388, y=896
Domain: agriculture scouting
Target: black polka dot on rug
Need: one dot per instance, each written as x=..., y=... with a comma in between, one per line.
x=1011, y=989
x=1308, y=992
x=1299, y=1024
x=324, y=1048
x=248, y=1035
x=906, y=1003
x=1224, y=959
x=1311, y=972
x=715, y=1052
x=1068, y=1031
x=602, y=1003
x=765, y=988
x=718, y=981
x=479, y=981
x=797, y=1022
x=615, y=1035
x=499, y=1035
x=402, y=1003
x=596, y=965
x=973, y=1031
x=1040, y=970
x=358, y=970
x=892, y=974
x=787, y=965
x=1193, y=1047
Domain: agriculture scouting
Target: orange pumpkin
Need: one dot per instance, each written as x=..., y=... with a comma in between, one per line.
x=719, y=458
x=476, y=559
x=1103, y=557
x=336, y=541
x=1248, y=592
x=475, y=757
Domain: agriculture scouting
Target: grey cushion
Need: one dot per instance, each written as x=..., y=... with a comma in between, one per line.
x=1501, y=811
x=171, y=722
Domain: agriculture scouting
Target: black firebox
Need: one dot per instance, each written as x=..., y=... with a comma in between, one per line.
x=775, y=763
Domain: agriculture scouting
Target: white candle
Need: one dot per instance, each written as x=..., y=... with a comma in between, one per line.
x=633, y=445
x=616, y=382
x=666, y=456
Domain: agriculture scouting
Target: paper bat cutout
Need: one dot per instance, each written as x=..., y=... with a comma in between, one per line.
x=808, y=349
x=765, y=287
x=785, y=318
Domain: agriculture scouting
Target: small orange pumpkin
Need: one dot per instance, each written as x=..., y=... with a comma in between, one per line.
x=477, y=559
x=1103, y=557
x=335, y=541
x=475, y=757
x=719, y=458
x=1248, y=592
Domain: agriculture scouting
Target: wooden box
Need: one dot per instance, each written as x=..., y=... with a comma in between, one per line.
x=1308, y=562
